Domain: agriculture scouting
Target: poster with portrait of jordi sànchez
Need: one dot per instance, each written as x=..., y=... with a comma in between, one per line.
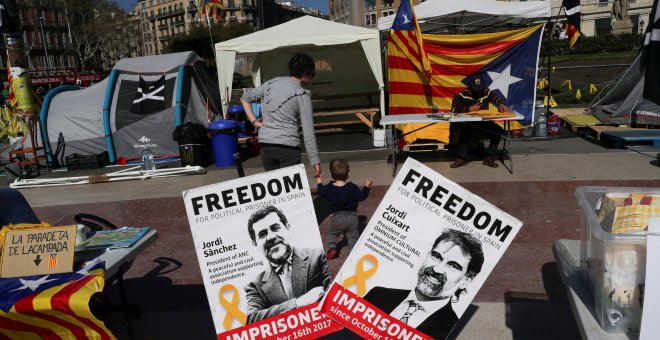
x=422, y=258
x=261, y=257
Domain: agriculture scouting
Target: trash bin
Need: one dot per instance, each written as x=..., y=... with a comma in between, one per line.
x=193, y=143
x=224, y=137
x=237, y=113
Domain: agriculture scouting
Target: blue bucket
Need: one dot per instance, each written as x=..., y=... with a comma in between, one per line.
x=224, y=138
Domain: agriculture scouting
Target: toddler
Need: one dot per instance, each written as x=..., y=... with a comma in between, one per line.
x=343, y=197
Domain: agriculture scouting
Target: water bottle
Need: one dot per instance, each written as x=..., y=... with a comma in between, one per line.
x=148, y=160
x=542, y=126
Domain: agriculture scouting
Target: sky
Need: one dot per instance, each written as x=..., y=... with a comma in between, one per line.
x=320, y=4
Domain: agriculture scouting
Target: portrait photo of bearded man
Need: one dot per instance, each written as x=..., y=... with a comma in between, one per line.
x=454, y=260
x=294, y=276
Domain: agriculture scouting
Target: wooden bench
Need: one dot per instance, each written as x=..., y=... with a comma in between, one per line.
x=360, y=108
x=364, y=115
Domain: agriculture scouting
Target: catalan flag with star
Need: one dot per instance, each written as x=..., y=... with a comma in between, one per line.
x=212, y=9
x=407, y=36
x=506, y=61
x=54, y=306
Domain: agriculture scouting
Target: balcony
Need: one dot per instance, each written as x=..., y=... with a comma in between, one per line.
x=169, y=13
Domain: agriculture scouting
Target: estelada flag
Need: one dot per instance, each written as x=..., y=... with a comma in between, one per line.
x=506, y=61
x=572, y=8
x=54, y=306
x=407, y=36
x=212, y=8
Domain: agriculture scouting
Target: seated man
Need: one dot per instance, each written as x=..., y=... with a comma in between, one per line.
x=474, y=98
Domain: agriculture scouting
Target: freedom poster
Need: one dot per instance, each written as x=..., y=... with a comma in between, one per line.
x=260, y=252
x=422, y=258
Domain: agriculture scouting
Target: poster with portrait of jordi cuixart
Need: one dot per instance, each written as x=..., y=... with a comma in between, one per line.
x=424, y=254
x=261, y=257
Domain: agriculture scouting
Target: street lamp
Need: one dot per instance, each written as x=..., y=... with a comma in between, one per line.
x=43, y=38
x=641, y=26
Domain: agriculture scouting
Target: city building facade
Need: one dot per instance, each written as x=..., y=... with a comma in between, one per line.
x=363, y=13
x=161, y=19
x=45, y=35
x=597, y=18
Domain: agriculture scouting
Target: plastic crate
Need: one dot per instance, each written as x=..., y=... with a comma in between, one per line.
x=613, y=265
x=85, y=162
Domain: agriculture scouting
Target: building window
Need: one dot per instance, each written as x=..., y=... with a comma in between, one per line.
x=603, y=26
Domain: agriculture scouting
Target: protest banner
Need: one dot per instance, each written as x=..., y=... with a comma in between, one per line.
x=261, y=257
x=422, y=258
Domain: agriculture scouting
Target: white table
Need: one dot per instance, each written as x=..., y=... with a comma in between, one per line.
x=118, y=261
x=567, y=254
x=116, y=258
x=455, y=118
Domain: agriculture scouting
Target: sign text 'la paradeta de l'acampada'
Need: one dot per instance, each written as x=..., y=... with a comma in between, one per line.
x=261, y=257
x=423, y=256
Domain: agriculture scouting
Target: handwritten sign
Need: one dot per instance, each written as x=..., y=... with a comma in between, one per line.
x=38, y=251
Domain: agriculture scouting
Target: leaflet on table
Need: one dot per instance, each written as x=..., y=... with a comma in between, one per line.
x=124, y=237
x=261, y=257
x=425, y=253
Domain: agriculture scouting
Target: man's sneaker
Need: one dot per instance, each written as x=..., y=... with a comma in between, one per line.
x=331, y=254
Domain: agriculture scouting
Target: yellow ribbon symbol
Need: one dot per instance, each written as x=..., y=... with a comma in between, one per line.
x=232, y=307
x=361, y=275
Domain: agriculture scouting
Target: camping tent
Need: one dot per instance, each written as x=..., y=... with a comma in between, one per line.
x=136, y=107
x=451, y=16
x=624, y=104
x=348, y=58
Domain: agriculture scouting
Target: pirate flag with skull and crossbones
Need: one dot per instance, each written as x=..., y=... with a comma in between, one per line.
x=150, y=97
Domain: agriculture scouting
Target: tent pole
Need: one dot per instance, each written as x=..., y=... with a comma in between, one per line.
x=550, y=31
x=208, y=23
x=547, y=108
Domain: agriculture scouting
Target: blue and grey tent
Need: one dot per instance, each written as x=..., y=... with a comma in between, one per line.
x=136, y=107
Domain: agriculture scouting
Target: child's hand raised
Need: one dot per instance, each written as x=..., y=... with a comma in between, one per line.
x=319, y=179
x=368, y=182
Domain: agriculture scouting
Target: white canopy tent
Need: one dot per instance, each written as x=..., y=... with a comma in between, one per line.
x=451, y=16
x=348, y=58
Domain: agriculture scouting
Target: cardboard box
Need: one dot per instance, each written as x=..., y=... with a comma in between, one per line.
x=37, y=250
